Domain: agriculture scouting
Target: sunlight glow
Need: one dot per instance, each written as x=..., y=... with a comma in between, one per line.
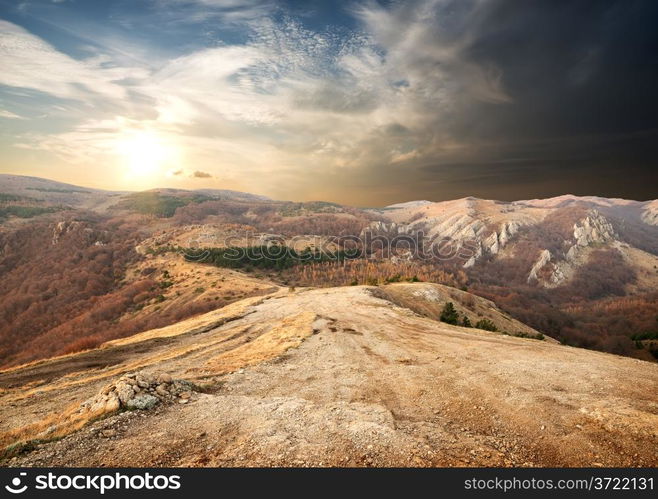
x=144, y=154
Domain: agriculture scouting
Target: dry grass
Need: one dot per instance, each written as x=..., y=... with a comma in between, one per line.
x=280, y=337
x=219, y=351
x=208, y=320
x=220, y=286
x=51, y=427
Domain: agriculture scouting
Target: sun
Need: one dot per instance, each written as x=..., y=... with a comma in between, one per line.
x=143, y=153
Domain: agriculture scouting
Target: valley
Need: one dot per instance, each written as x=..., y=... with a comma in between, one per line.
x=75, y=277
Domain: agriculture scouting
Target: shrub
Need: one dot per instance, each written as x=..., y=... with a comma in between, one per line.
x=156, y=204
x=486, y=324
x=449, y=315
x=274, y=257
x=26, y=211
x=645, y=336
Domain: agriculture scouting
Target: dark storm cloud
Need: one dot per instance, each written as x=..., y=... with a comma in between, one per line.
x=610, y=165
x=571, y=67
x=581, y=79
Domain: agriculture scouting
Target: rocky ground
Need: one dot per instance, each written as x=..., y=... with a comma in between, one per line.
x=342, y=377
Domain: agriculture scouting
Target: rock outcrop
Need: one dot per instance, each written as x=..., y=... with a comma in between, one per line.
x=140, y=390
x=594, y=228
x=650, y=213
x=80, y=230
x=544, y=258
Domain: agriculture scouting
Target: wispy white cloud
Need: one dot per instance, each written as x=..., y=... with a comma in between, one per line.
x=289, y=100
x=228, y=11
x=30, y=62
x=9, y=115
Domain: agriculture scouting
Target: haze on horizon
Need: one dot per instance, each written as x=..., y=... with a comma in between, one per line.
x=358, y=102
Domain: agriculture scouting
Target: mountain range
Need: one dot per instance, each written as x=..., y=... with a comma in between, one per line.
x=376, y=327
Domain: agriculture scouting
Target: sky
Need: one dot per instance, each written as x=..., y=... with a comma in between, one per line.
x=359, y=102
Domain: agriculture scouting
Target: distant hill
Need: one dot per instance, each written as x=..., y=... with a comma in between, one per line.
x=581, y=268
x=57, y=193
x=53, y=192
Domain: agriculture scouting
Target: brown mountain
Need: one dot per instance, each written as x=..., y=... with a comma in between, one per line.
x=584, y=269
x=117, y=303
x=82, y=266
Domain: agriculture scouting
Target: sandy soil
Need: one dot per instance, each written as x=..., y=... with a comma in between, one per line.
x=339, y=377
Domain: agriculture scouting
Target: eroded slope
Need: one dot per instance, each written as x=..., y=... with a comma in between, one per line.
x=340, y=377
